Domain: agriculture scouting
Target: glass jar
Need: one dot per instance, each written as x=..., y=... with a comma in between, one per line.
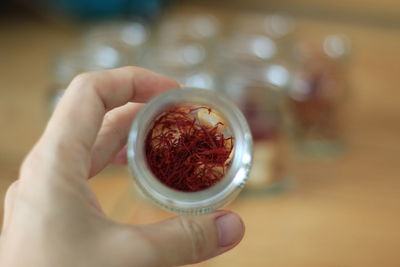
x=199, y=27
x=183, y=47
x=64, y=67
x=186, y=62
x=317, y=96
x=206, y=200
x=116, y=43
x=254, y=92
x=255, y=39
x=69, y=63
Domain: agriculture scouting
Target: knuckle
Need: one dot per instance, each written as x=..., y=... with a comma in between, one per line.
x=30, y=163
x=87, y=81
x=12, y=189
x=31, y=169
x=11, y=196
x=110, y=118
x=196, y=235
x=82, y=78
x=130, y=68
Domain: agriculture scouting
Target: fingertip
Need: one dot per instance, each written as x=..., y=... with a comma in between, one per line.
x=230, y=229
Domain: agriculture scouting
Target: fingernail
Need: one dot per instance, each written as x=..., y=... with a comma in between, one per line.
x=230, y=229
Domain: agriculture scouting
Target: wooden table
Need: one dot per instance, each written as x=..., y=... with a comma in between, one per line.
x=344, y=212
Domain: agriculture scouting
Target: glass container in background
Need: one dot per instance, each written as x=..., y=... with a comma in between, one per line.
x=260, y=38
x=115, y=43
x=69, y=63
x=65, y=66
x=183, y=47
x=199, y=27
x=260, y=102
x=256, y=75
x=185, y=61
x=104, y=45
x=317, y=96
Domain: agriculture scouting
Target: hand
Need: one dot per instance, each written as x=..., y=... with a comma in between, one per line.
x=53, y=219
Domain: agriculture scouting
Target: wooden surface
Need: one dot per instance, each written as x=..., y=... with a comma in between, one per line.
x=344, y=212
x=384, y=12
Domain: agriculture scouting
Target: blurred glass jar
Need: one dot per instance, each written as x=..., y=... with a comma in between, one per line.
x=275, y=25
x=64, y=67
x=185, y=61
x=254, y=91
x=317, y=96
x=256, y=38
x=67, y=64
x=115, y=43
x=255, y=75
x=197, y=27
x=184, y=47
x=261, y=43
x=249, y=49
x=104, y=45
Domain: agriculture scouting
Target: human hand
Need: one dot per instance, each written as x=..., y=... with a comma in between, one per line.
x=52, y=218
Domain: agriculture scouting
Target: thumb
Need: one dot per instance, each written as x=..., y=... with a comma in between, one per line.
x=191, y=239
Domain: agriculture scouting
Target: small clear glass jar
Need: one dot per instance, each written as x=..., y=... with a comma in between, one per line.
x=317, y=98
x=114, y=43
x=187, y=62
x=259, y=93
x=206, y=200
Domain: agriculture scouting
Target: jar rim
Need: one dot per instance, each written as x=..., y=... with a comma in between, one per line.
x=200, y=201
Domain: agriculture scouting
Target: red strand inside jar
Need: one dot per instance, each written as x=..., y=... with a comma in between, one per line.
x=184, y=152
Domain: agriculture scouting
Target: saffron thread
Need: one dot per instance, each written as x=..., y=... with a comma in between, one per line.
x=186, y=154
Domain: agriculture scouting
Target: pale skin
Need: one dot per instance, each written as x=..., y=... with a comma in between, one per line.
x=52, y=218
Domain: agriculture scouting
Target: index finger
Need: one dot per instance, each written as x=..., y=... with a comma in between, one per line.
x=79, y=115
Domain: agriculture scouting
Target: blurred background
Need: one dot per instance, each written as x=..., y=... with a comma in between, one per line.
x=317, y=81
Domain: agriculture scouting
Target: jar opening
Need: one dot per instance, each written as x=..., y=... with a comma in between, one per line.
x=189, y=147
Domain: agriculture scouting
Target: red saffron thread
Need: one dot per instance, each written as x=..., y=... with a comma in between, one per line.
x=185, y=154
